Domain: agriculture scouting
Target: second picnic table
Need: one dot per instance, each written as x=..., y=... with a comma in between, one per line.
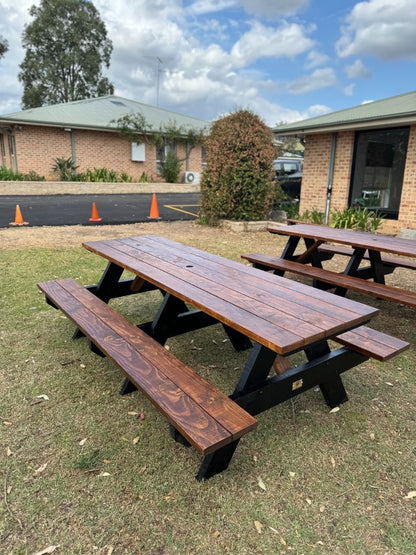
x=323, y=242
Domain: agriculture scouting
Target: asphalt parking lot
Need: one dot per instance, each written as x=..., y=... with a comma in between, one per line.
x=72, y=209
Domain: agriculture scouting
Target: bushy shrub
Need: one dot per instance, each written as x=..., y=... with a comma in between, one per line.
x=6, y=174
x=237, y=180
x=144, y=178
x=65, y=168
x=362, y=219
x=171, y=167
x=313, y=216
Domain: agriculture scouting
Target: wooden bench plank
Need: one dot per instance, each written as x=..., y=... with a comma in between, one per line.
x=387, y=260
x=372, y=343
x=378, y=290
x=206, y=417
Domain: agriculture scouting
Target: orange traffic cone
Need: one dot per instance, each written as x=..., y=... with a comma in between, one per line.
x=154, y=211
x=18, y=219
x=94, y=214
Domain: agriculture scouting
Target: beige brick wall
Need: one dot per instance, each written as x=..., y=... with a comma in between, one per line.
x=315, y=177
x=37, y=147
x=407, y=214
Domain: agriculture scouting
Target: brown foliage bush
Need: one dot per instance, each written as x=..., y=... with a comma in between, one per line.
x=236, y=183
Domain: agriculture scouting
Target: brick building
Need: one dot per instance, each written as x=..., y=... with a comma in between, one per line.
x=86, y=131
x=366, y=156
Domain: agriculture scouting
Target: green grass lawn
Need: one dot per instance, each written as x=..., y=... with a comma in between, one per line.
x=84, y=471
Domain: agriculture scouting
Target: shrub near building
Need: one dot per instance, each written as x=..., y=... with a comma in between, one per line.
x=237, y=180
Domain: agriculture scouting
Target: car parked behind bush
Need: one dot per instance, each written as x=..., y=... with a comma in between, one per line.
x=289, y=175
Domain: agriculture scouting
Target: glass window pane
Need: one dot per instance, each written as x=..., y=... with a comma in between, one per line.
x=377, y=177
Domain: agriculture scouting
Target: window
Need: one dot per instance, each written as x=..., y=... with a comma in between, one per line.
x=161, y=152
x=378, y=169
x=203, y=157
x=2, y=151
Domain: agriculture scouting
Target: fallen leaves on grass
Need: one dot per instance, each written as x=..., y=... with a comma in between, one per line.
x=260, y=483
x=410, y=495
x=39, y=399
x=49, y=549
x=259, y=526
x=40, y=469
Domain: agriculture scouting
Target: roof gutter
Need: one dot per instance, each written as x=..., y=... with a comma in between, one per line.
x=354, y=125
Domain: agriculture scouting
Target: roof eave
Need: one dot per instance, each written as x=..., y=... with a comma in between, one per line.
x=375, y=123
x=62, y=125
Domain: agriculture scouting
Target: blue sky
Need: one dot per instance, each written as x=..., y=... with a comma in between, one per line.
x=284, y=59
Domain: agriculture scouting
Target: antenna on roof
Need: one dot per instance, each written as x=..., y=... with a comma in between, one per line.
x=159, y=62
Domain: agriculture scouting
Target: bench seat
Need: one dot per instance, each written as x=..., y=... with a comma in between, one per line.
x=379, y=290
x=372, y=343
x=394, y=261
x=203, y=415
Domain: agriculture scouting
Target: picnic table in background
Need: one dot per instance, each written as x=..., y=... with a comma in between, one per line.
x=323, y=242
x=273, y=316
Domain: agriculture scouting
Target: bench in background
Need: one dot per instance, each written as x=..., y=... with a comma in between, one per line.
x=341, y=281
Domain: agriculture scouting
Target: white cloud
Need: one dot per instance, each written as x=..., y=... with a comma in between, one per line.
x=287, y=40
x=382, y=28
x=319, y=79
x=208, y=6
x=357, y=70
x=315, y=58
x=199, y=79
x=349, y=89
x=273, y=8
x=270, y=9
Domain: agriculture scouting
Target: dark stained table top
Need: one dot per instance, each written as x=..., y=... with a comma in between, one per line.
x=278, y=313
x=376, y=242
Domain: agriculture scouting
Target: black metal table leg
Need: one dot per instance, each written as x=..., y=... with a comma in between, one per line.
x=216, y=462
x=105, y=287
x=351, y=268
x=257, y=368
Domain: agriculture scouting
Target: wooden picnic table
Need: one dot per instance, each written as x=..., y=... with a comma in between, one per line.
x=323, y=242
x=272, y=315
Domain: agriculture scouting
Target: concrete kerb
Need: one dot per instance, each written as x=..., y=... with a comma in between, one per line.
x=85, y=188
x=241, y=227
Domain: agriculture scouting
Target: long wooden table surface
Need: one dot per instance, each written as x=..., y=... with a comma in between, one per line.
x=356, y=239
x=276, y=312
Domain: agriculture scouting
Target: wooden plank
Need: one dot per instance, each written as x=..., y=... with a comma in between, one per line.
x=373, y=343
x=377, y=242
x=379, y=290
x=300, y=307
x=255, y=327
x=388, y=260
x=275, y=283
x=144, y=361
x=216, y=403
x=302, y=316
x=225, y=292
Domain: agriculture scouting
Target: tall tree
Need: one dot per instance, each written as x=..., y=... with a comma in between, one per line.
x=66, y=48
x=4, y=46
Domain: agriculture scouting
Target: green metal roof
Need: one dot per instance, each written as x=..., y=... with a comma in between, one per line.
x=401, y=108
x=98, y=113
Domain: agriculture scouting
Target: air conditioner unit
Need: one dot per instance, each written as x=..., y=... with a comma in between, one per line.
x=191, y=177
